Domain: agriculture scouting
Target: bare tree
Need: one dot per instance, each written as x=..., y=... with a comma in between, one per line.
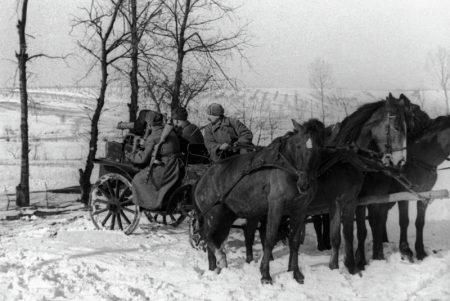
x=420, y=96
x=189, y=33
x=105, y=44
x=320, y=79
x=138, y=19
x=343, y=101
x=23, y=189
x=133, y=105
x=438, y=65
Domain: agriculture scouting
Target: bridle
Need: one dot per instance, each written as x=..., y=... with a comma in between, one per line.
x=389, y=149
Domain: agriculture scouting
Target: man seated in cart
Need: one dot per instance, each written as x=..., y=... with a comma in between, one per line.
x=164, y=168
x=188, y=133
x=225, y=136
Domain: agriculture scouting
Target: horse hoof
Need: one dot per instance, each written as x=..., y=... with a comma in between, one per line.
x=333, y=266
x=421, y=255
x=265, y=281
x=217, y=270
x=361, y=266
x=405, y=251
x=354, y=270
x=378, y=256
x=298, y=276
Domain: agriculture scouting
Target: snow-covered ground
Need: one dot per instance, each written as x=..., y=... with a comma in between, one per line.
x=51, y=251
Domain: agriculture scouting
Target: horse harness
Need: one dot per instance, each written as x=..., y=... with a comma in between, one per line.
x=260, y=164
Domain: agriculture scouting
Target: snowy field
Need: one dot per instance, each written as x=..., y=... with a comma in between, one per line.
x=51, y=250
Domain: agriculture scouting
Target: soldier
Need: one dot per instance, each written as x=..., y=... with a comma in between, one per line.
x=223, y=133
x=153, y=183
x=188, y=133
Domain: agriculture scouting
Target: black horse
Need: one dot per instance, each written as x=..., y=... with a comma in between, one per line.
x=275, y=181
x=380, y=127
x=428, y=147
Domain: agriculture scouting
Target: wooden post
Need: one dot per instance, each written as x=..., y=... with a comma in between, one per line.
x=404, y=196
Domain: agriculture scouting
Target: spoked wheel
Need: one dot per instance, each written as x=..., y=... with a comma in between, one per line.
x=111, y=205
x=177, y=208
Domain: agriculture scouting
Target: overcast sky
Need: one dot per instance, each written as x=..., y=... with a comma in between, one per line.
x=371, y=44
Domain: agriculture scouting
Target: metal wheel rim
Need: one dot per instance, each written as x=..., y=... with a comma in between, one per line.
x=111, y=206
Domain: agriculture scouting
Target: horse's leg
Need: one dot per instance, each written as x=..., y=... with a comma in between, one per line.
x=420, y=223
x=274, y=215
x=360, y=255
x=216, y=229
x=378, y=224
x=348, y=214
x=385, y=236
x=317, y=221
x=212, y=262
x=262, y=232
x=335, y=233
x=403, y=220
x=326, y=231
x=296, y=221
x=249, y=235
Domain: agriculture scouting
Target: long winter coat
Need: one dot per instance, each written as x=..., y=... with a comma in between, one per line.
x=163, y=178
x=225, y=130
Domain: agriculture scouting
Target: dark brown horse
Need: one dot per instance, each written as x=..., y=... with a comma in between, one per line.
x=380, y=127
x=275, y=181
x=427, y=148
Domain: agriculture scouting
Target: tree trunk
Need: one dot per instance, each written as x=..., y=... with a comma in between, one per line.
x=446, y=101
x=133, y=105
x=23, y=189
x=177, y=82
x=85, y=175
x=180, y=58
x=322, y=98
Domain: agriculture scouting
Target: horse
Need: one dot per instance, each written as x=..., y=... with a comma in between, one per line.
x=274, y=181
x=427, y=148
x=379, y=126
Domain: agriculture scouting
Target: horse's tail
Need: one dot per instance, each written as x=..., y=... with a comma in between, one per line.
x=196, y=224
x=197, y=210
x=193, y=200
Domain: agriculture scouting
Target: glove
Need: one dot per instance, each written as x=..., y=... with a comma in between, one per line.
x=224, y=146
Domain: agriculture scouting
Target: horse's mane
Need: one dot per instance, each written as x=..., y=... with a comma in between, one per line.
x=352, y=125
x=418, y=119
x=435, y=125
x=313, y=127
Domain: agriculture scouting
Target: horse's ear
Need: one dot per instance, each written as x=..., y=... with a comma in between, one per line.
x=297, y=125
x=390, y=100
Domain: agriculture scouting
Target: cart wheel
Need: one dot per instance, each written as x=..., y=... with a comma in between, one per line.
x=177, y=208
x=195, y=237
x=172, y=219
x=111, y=205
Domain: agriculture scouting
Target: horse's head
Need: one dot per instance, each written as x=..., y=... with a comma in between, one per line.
x=303, y=148
x=386, y=132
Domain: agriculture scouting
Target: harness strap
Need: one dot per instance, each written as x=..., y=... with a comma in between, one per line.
x=422, y=164
x=258, y=165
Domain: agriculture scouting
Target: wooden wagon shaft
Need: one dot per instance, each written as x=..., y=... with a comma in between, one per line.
x=404, y=196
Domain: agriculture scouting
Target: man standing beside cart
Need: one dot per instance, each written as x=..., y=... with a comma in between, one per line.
x=225, y=136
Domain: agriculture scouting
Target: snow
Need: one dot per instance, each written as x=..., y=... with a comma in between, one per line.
x=51, y=250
